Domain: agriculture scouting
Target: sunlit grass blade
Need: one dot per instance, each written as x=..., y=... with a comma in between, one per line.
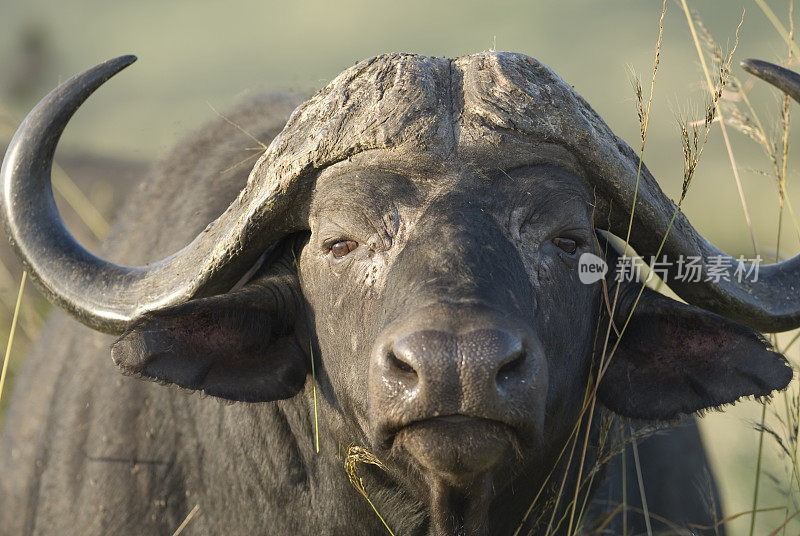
x=185, y=522
x=314, y=390
x=7, y=357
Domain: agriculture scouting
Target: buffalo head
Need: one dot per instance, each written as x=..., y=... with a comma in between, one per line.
x=415, y=233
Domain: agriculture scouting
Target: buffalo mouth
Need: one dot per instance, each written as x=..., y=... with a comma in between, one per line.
x=457, y=447
x=461, y=460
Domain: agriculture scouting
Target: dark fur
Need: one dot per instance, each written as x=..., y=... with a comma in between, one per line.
x=88, y=451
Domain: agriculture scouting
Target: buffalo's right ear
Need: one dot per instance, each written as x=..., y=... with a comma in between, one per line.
x=675, y=359
x=238, y=346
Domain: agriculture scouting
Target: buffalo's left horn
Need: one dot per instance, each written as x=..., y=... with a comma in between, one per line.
x=100, y=294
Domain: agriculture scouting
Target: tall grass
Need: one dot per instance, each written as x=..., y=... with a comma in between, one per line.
x=693, y=145
x=776, y=148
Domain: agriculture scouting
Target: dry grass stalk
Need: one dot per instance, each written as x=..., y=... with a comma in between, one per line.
x=778, y=26
x=776, y=147
x=539, y=493
x=356, y=455
x=644, y=118
x=257, y=151
x=585, y=485
x=693, y=150
x=692, y=147
x=77, y=200
x=643, y=495
x=690, y=19
x=314, y=391
x=777, y=151
x=11, y=332
x=188, y=518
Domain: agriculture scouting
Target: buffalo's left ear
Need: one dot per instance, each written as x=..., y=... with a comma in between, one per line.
x=675, y=359
x=238, y=346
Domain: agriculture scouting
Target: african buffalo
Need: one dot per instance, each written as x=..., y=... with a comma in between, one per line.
x=399, y=271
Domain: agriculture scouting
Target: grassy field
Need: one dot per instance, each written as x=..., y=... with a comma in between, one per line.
x=197, y=55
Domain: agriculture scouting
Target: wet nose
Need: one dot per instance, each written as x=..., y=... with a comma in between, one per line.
x=472, y=368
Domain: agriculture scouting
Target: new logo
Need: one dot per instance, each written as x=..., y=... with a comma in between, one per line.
x=591, y=268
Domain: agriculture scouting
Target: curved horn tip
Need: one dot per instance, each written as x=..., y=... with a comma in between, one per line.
x=127, y=59
x=757, y=67
x=100, y=73
x=120, y=62
x=781, y=78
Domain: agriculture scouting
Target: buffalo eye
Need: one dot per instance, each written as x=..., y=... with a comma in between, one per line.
x=567, y=245
x=342, y=248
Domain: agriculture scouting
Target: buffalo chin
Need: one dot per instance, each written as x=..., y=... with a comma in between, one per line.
x=455, y=449
x=459, y=457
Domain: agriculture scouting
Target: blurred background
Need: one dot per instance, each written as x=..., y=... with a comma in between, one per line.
x=197, y=57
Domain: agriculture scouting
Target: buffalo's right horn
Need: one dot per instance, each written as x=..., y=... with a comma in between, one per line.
x=100, y=294
x=780, y=77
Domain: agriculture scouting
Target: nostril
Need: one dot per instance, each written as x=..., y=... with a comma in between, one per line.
x=511, y=365
x=399, y=364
